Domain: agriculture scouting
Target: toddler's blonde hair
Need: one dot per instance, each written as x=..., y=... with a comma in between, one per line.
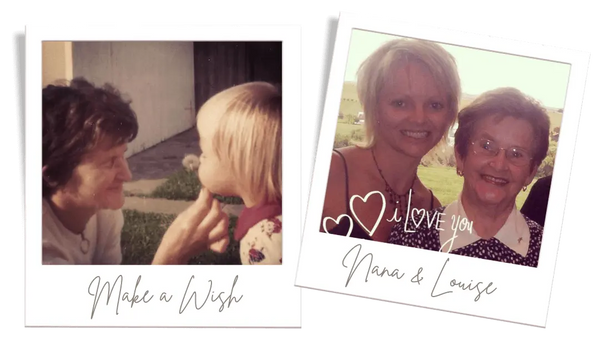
x=248, y=138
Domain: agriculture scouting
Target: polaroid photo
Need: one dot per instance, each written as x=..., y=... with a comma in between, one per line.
x=168, y=159
x=442, y=169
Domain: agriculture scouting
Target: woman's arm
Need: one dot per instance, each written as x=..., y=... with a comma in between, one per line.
x=54, y=254
x=201, y=227
x=335, y=195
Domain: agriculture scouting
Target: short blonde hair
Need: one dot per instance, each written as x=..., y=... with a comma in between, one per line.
x=375, y=69
x=248, y=137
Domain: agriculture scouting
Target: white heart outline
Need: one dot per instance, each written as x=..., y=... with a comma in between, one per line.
x=338, y=222
x=419, y=211
x=365, y=200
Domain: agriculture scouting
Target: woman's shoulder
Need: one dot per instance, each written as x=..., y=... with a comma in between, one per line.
x=424, y=195
x=350, y=154
x=110, y=217
x=535, y=229
x=346, y=164
x=108, y=225
x=338, y=168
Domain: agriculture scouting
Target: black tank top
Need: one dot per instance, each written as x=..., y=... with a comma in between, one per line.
x=344, y=225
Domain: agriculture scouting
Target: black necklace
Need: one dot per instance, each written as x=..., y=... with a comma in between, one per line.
x=397, y=200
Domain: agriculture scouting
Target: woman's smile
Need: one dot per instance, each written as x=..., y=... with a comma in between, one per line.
x=416, y=134
x=494, y=180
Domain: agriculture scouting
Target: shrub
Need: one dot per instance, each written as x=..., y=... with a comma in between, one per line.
x=442, y=155
x=349, y=118
x=341, y=141
x=357, y=135
x=546, y=168
x=554, y=134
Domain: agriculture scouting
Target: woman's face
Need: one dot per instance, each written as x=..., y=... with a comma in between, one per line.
x=97, y=182
x=413, y=113
x=496, y=180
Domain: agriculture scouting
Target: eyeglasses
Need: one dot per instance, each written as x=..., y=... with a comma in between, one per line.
x=488, y=148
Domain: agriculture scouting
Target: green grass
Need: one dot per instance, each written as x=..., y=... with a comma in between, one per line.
x=446, y=184
x=346, y=129
x=184, y=185
x=143, y=232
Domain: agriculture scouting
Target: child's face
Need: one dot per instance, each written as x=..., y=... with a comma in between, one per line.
x=214, y=173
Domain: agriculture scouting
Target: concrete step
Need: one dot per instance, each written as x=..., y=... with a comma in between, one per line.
x=143, y=186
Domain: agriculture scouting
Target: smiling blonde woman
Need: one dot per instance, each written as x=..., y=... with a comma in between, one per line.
x=410, y=91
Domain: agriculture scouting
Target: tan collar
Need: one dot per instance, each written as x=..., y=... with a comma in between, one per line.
x=514, y=233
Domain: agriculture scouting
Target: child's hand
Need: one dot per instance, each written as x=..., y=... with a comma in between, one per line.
x=201, y=226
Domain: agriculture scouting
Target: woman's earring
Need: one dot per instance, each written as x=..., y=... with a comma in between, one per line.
x=524, y=188
x=459, y=172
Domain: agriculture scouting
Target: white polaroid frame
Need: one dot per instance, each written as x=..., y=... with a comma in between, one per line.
x=351, y=266
x=58, y=295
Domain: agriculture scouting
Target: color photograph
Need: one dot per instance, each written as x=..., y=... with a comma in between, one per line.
x=450, y=142
x=442, y=169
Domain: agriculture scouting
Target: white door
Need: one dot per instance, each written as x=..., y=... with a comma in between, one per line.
x=157, y=76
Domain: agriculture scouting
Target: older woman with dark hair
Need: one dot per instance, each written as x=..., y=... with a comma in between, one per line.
x=501, y=140
x=85, y=135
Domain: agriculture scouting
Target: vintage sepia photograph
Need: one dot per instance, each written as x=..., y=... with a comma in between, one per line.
x=162, y=152
x=164, y=170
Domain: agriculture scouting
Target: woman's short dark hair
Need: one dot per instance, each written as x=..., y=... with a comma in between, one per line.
x=504, y=102
x=75, y=118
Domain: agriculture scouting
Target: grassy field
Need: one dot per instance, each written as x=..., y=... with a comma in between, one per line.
x=143, y=232
x=184, y=185
x=446, y=184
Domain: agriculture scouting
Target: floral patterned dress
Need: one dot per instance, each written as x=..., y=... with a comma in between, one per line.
x=259, y=233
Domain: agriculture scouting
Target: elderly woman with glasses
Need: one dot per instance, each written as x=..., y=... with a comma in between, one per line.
x=501, y=140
